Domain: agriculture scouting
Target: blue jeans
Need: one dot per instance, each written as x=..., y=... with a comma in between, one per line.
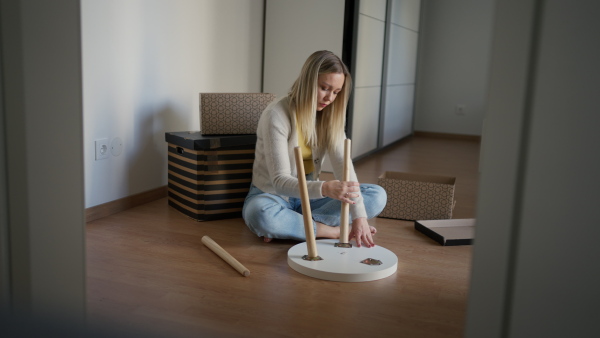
x=271, y=216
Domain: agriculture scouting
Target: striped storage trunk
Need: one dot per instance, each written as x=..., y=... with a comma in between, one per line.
x=209, y=176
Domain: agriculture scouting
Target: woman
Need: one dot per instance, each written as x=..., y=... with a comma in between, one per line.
x=311, y=116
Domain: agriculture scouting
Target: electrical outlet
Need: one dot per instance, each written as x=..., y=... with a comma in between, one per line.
x=101, y=149
x=460, y=110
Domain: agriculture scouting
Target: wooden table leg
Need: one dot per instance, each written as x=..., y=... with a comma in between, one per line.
x=306, y=212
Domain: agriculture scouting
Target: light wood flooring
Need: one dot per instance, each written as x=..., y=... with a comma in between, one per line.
x=149, y=273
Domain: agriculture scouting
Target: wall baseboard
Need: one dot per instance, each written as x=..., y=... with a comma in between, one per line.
x=109, y=208
x=474, y=138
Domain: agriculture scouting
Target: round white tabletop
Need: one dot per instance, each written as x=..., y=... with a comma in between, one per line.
x=343, y=264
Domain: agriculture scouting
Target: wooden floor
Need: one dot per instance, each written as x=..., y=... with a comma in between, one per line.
x=148, y=271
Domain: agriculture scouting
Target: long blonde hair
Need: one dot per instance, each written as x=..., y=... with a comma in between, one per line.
x=329, y=124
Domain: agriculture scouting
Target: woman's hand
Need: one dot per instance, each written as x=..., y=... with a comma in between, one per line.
x=342, y=191
x=362, y=232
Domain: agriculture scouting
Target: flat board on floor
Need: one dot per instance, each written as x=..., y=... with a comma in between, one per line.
x=343, y=264
x=448, y=232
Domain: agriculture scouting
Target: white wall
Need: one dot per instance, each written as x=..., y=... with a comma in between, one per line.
x=559, y=203
x=535, y=270
x=144, y=64
x=42, y=115
x=453, y=61
x=4, y=220
x=499, y=165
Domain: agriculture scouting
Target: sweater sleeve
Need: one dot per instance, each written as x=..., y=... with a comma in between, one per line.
x=280, y=161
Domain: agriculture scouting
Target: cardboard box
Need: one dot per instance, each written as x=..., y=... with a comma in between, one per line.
x=449, y=231
x=232, y=113
x=415, y=196
x=209, y=176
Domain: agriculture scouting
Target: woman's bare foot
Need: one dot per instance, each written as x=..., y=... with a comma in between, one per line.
x=326, y=231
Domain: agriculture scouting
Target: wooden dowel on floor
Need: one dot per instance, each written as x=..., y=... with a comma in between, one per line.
x=216, y=248
x=344, y=227
x=306, y=212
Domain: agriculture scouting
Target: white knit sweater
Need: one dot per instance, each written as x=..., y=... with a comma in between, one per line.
x=274, y=169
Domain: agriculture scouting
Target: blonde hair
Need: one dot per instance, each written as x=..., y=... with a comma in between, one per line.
x=329, y=124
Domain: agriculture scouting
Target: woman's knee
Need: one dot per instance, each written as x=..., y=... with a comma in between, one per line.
x=375, y=199
x=260, y=211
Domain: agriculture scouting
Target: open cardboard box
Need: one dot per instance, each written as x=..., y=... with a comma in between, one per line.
x=417, y=196
x=448, y=232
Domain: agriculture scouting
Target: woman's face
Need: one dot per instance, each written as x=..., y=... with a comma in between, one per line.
x=329, y=86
